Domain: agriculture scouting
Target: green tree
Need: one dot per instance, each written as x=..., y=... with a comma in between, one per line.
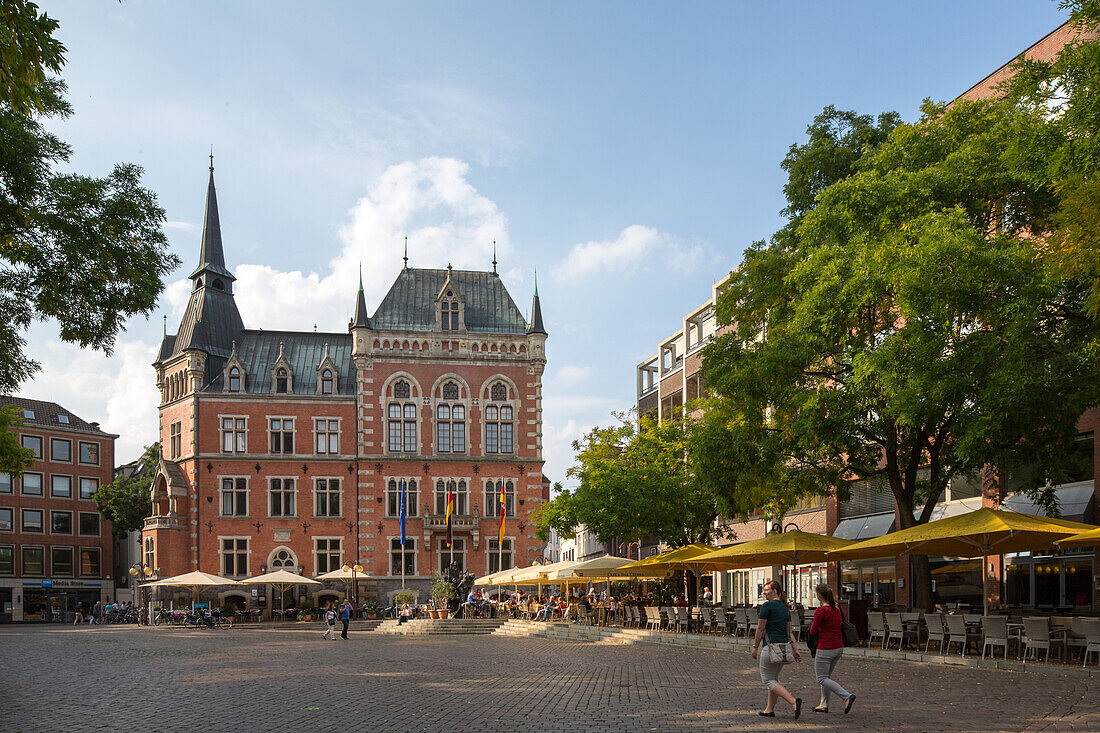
x=127, y=501
x=86, y=252
x=634, y=482
x=14, y=458
x=903, y=329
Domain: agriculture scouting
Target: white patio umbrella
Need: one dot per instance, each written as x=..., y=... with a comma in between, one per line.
x=195, y=581
x=348, y=574
x=281, y=579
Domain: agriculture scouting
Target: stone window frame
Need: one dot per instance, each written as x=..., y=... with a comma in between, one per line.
x=443, y=553
x=282, y=429
x=234, y=490
x=439, y=402
x=328, y=431
x=235, y=430
x=492, y=554
x=97, y=552
x=492, y=497
x=236, y=552
x=53, y=456
x=439, y=505
x=512, y=401
x=393, y=550
x=389, y=400
x=328, y=490
x=72, y=561
x=72, y=527
x=328, y=553
x=393, y=494
x=283, y=490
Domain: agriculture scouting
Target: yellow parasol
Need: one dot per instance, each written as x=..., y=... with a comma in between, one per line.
x=1085, y=539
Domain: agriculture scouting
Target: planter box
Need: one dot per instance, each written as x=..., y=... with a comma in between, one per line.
x=433, y=613
x=443, y=613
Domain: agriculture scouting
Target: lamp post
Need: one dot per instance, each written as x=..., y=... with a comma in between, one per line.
x=780, y=529
x=141, y=573
x=355, y=570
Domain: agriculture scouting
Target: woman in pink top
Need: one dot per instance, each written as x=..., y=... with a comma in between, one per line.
x=830, y=646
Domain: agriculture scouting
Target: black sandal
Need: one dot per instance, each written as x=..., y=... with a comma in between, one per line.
x=848, y=704
x=797, y=707
x=762, y=714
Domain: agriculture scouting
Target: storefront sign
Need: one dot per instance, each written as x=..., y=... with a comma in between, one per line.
x=57, y=583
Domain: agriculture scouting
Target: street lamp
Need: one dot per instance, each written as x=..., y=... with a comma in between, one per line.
x=354, y=570
x=141, y=573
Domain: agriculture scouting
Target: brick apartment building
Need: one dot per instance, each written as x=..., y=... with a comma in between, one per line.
x=671, y=379
x=55, y=548
x=286, y=450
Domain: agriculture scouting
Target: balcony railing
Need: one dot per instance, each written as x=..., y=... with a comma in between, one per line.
x=170, y=521
x=458, y=521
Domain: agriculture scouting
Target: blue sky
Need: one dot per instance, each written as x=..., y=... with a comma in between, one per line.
x=629, y=151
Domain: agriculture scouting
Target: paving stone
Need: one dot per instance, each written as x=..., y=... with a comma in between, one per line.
x=274, y=680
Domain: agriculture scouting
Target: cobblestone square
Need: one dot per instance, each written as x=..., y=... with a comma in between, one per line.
x=129, y=679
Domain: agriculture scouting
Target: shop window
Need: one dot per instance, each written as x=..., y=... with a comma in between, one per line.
x=61, y=561
x=61, y=486
x=88, y=487
x=32, y=484
x=61, y=522
x=33, y=561
x=90, y=562
x=89, y=524
x=61, y=450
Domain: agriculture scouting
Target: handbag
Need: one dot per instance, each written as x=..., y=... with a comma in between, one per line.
x=780, y=653
x=811, y=644
x=848, y=631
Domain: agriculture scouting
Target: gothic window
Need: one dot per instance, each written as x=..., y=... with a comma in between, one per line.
x=401, y=420
x=498, y=423
x=450, y=391
x=451, y=429
x=282, y=381
x=234, y=379
x=327, y=382
x=283, y=560
x=449, y=311
x=393, y=498
x=492, y=498
x=461, y=496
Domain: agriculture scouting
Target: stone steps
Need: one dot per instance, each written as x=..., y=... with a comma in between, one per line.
x=439, y=627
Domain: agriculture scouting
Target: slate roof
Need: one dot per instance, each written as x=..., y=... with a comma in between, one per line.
x=410, y=303
x=46, y=416
x=258, y=351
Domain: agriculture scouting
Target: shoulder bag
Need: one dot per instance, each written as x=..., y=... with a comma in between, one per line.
x=848, y=631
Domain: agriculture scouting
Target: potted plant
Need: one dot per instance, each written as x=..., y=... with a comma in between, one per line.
x=305, y=610
x=370, y=609
x=442, y=594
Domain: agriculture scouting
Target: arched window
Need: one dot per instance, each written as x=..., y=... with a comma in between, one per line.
x=401, y=419
x=450, y=423
x=281, y=381
x=234, y=379
x=393, y=498
x=498, y=422
x=283, y=559
x=492, y=497
x=327, y=382
x=461, y=496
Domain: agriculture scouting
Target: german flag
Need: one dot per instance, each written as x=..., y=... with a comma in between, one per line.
x=503, y=504
x=450, y=511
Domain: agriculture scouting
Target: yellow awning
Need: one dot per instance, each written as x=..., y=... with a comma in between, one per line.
x=1085, y=539
x=659, y=566
x=974, y=534
x=786, y=548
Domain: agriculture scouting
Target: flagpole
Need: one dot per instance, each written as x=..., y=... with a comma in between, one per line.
x=403, y=499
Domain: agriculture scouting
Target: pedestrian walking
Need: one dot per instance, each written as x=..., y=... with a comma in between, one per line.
x=774, y=630
x=97, y=611
x=830, y=646
x=345, y=618
x=79, y=617
x=330, y=619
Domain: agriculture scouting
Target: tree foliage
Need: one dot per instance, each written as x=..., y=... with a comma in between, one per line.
x=14, y=458
x=127, y=501
x=902, y=329
x=86, y=252
x=634, y=482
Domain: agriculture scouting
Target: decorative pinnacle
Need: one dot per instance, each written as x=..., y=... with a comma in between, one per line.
x=360, y=275
x=406, y=257
x=211, y=158
x=494, y=256
x=536, y=282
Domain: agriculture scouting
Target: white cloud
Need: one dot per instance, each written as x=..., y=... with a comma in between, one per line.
x=636, y=248
x=183, y=226
x=573, y=373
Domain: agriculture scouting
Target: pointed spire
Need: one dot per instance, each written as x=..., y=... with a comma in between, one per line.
x=405, y=258
x=494, y=256
x=536, y=311
x=361, y=319
x=211, y=254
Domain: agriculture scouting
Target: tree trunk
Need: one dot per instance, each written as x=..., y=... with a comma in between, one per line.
x=922, y=582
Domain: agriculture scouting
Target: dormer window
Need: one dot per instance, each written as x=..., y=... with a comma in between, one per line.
x=234, y=379
x=327, y=381
x=450, y=315
x=282, y=381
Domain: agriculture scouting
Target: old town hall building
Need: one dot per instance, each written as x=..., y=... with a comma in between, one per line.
x=285, y=449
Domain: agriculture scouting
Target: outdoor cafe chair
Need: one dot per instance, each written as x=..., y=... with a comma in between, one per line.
x=876, y=627
x=1037, y=636
x=959, y=633
x=741, y=616
x=721, y=623
x=683, y=619
x=1091, y=629
x=995, y=631
x=652, y=618
x=796, y=624
x=937, y=630
x=896, y=629
x=706, y=613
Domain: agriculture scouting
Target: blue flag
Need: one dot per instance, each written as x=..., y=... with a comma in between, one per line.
x=401, y=515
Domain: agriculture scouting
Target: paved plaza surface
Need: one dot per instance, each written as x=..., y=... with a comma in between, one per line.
x=130, y=679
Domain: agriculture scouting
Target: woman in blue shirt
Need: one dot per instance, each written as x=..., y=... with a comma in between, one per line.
x=774, y=628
